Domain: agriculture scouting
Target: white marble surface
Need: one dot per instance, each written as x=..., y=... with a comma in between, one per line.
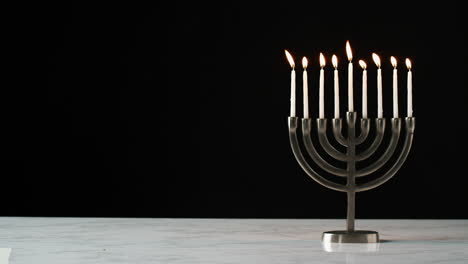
x=130, y=240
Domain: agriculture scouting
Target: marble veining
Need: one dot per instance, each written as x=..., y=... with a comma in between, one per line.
x=163, y=240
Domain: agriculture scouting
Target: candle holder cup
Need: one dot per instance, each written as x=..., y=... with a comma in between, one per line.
x=350, y=235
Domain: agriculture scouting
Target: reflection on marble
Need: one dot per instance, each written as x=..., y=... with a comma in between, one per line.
x=351, y=247
x=131, y=240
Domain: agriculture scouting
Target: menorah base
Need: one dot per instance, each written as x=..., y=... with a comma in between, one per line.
x=343, y=236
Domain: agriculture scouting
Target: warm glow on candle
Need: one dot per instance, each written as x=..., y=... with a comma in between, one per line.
x=305, y=87
x=395, y=87
x=322, y=60
x=350, y=78
x=304, y=62
x=408, y=64
x=335, y=61
x=364, y=88
x=290, y=59
x=348, y=51
x=410, y=88
x=293, y=83
x=336, y=86
x=376, y=59
x=363, y=64
x=394, y=61
x=321, y=88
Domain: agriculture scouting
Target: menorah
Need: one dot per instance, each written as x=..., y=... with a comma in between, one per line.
x=350, y=235
x=350, y=141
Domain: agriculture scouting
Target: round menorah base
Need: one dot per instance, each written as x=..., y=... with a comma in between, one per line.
x=343, y=236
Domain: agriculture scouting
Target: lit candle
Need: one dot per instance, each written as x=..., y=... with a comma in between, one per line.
x=321, y=88
x=337, y=87
x=395, y=87
x=305, y=88
x=350, y=78
x=379, y=86
x=293, y=83
x=410, y=89
x=364, y=88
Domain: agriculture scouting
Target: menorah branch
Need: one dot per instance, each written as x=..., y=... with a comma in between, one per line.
x=306, y=128
x=365, y=127
x=323, y=139
x=396, y=126
x=303, y=163
x=380, y=130
x=410, y=125
x=337, y=132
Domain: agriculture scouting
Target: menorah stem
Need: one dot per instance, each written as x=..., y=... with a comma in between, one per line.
x=350, y=216
x=351, y=168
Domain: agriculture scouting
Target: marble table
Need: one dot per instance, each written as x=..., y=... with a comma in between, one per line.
x=137, y=240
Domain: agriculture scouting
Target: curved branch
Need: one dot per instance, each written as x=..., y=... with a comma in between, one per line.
x=410, y=124
x=322, y=135
x=396, y=125
x=306, y=127
x=337, y=126
x=380, y=130
x=365, y=127
x=303, y=163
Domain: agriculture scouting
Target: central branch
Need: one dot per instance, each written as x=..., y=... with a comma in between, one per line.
x=351, y=169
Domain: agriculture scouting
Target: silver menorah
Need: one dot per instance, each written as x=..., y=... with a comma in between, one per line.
x=350, y=235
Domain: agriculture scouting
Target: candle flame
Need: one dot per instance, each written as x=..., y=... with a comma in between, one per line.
x=334, y=61
x=408, y=64
x=290, y=58
x=363, y=64
x=376, y=59
x=322, y=60
x=348, y=51
x=394, y=62
x=305, y=62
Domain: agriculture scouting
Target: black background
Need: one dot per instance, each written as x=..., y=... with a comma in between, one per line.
x=180, y=111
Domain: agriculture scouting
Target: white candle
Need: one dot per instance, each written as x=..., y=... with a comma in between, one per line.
x=350, y=78
x=410, y=89
x=395, y=87
x=336, y=86
x=305, y=88
x=364, y=88
x=321, y=88
x=379, y=86
x=293, y=83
